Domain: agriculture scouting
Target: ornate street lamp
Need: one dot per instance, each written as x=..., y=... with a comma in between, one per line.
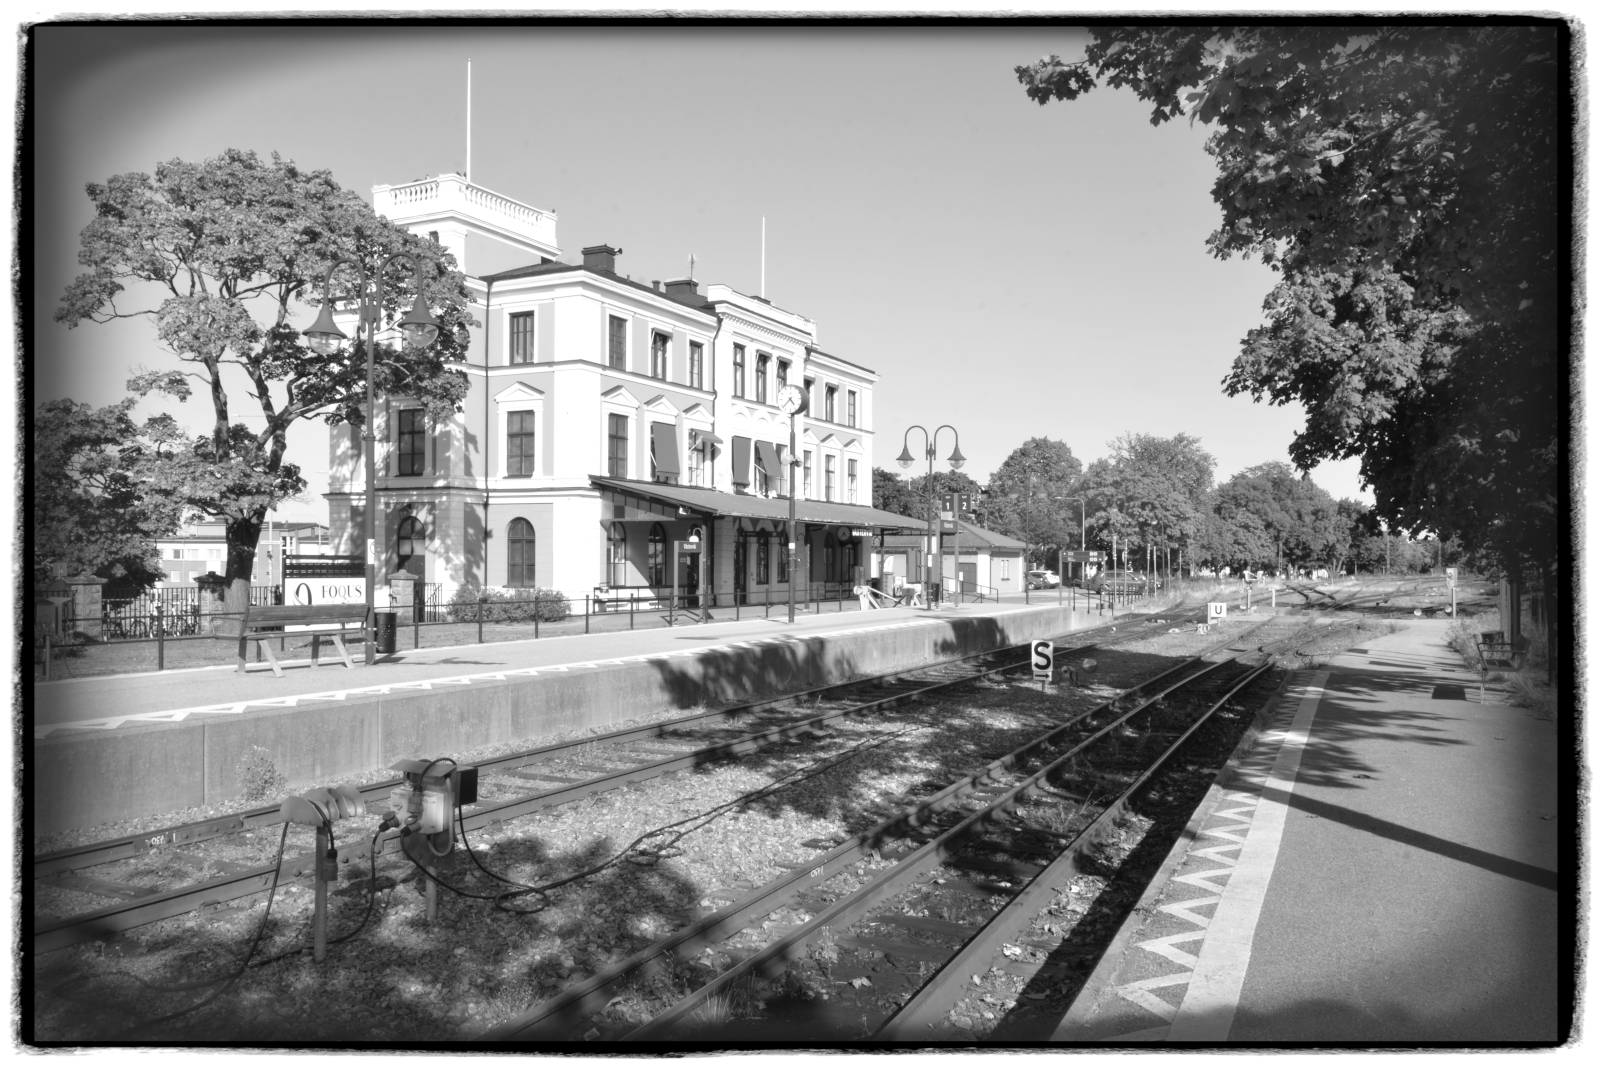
x=905, y=459
x=325, y=338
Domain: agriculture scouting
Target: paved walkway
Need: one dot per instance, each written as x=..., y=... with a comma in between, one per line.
x=1381, y=869
x=110, y=701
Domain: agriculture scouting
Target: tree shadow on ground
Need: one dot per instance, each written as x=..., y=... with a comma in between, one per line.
x=400, y=979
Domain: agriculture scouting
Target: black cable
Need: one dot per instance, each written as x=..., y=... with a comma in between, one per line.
x=708, y=816
x=228, y=983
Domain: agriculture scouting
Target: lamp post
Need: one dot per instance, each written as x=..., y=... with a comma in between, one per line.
x=905, y=459
x=792, y=401
x=1083, y=537
x=325, y=337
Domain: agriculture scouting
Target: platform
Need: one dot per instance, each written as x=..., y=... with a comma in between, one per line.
x=1379, y=869
x=113, y=747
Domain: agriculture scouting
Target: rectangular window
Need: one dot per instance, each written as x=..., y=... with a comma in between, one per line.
x=827, y=475
x=828, y=405
x=697, y=365
x=619, y=343
x=761, y=378
x=850, y=476
x=617, y=457
x=738, y=370
x=783, y=377
x=811, y=399
x=519, y=444
x=522, y=337
x=763, y=559
x=412, y=442
x=658, y=356
x=850, y=407
x=213, y=553
x=783, y=558
x=762, y=480
x=697, y=463
x=807, y=468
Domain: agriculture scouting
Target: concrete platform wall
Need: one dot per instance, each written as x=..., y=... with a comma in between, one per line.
x=87, y=778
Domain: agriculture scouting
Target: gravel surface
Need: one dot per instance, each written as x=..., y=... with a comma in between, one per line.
x=485, y=960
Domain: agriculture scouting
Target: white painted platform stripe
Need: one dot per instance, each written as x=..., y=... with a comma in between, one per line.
x=1208, y=1007
x=1139, y=993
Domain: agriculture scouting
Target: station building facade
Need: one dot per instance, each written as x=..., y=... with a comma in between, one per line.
x=607, y=418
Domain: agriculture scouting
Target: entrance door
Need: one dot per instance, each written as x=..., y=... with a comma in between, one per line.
x=969, y=577
x=741, y=566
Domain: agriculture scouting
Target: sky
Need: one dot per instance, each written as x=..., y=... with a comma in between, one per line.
x=1010, y=269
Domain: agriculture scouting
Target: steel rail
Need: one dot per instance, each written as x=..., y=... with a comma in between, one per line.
x=115, y=918
x=949, y=984
x=129, y=846
x=564, y=1010
x=770, y=960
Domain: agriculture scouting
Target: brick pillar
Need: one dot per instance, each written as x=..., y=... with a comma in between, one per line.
x=85, y=609
x=402, y=587
x=213, y=588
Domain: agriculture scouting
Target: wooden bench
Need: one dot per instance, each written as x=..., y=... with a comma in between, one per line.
x=1496, y=653
x=328, y=620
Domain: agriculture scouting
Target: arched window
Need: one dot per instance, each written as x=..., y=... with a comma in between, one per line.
x=830, y=557
x=657, y=561
x=519, y=555
x=410, y=546
x=852, y=560
x=617, y=558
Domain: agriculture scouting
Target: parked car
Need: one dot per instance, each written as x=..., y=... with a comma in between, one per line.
x=1043, y=579
x=1117, y=582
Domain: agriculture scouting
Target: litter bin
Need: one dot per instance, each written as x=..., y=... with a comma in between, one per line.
x=387, y=622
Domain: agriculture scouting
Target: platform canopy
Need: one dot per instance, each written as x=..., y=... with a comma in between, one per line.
x=714, y=502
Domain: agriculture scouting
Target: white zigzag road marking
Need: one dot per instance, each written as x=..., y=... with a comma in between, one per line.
x=1215, y=853
x=1154, y=1033
x=1202, y=880
x=1222, y=832
x=1181, y=910
x=1139, y=993
x=1162, y=946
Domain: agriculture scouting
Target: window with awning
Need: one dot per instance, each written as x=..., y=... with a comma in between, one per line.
x=741, y=461
x=766, y=466
x=664, y=451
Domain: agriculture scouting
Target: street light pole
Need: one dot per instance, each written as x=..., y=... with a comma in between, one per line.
x=935, y=534
x=420, y=329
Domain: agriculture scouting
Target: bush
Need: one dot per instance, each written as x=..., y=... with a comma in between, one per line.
x=508, y=605
x=259, y=776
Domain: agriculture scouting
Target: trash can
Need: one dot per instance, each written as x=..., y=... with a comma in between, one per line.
x=387, y=621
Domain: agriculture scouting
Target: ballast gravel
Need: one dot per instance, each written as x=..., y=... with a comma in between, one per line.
x=402, y=979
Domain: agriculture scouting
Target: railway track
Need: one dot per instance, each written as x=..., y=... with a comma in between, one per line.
x=234, y=863
x=937, y=892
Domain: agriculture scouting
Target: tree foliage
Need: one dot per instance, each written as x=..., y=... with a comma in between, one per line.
x=1270, y=515
x=1030, y=498
x=216, y=255
x=1406, y=180
x=99, y=500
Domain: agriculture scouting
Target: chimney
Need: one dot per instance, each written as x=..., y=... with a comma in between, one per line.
x=601, y=257
x=656, y=285
x=684, y=290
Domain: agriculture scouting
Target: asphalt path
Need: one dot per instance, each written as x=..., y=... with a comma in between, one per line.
x=1379, y=869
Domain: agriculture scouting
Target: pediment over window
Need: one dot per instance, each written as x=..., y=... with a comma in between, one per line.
x=697, y=412
x=661, y=405
x=518, y=391
x=830, y=440
x=619, y=394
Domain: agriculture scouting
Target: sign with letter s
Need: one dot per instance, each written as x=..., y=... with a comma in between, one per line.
x=1043, y=659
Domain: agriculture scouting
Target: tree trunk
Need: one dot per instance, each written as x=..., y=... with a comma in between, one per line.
x=244, y=534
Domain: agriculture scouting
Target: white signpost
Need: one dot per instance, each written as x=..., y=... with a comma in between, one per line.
x=1450, y=580
x=1043, y=661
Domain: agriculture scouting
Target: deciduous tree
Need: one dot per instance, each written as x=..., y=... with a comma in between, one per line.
x=216, y=255
x=1409, y=183
x=99, y=502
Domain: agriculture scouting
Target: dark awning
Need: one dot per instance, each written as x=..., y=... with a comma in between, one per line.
x=706, y=435
x=717, y=502
x=741, y=460
x=765, y=459
x=664, y=447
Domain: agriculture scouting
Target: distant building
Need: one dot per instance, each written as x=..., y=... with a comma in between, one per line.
x=203, y=547
x=989, y=562
x=606, y=419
